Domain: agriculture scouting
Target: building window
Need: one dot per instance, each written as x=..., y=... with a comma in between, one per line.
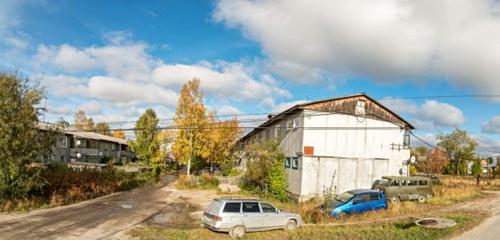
x=360, y=108
x=295, y=163
x=288, y=162
x=64, y=142
x=277, y=133
x=296, y=123
x=406, y=139
x=289, y=125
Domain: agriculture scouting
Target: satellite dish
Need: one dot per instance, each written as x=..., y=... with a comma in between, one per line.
x=78, y=142
x=78, y=155
x=404, y=170
x=413, y=159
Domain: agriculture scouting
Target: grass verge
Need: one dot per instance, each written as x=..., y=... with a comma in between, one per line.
x=402, y=229
x=65, y=185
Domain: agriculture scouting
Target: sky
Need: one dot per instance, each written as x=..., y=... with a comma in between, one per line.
x=115, y=59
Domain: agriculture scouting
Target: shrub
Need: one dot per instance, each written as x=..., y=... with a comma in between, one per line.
x=265, y=170
x=65, y=185
x=204, y=181
x=278, y=182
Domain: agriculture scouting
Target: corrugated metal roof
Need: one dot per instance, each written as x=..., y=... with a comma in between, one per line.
x=273, y=118
x=83, y=133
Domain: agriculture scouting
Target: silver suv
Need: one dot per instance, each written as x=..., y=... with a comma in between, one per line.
x=238, y=216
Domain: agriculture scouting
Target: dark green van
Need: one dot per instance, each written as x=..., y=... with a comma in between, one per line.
x=398, y=189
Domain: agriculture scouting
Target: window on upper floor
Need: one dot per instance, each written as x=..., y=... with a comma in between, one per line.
x=296, y=123
x=289, y=125
x=360, y=108
x=406, y=139
x=277, y=133
x=64, y=142
x=295, y=163
x=288, y=162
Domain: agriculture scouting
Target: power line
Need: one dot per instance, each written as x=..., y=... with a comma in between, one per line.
x=428, y=144
x=240, y=127
x=448, y=96
x=383, y=98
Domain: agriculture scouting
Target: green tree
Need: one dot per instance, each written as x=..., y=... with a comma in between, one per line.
x=460, y=148
x=145, y=144
x=191, y=119
x=476, y=168
x=103, y=128
x=265, y=169
x=21, y=140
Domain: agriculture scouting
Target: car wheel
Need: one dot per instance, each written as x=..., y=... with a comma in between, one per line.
x=342, y=217
x=395, y=200
x=291, y=225
x=237, y=232
x=422, y=199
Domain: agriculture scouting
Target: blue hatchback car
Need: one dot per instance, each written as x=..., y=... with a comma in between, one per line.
x=356, y=201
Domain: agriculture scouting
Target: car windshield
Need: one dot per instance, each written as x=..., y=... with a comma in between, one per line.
x=344, y=197
x=381, y=182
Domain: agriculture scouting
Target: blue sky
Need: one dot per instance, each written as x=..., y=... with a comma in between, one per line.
x=114, y=59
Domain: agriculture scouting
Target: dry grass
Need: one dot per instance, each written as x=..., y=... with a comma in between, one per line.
x=452, y=190
x=401, y=229
x=65, y=186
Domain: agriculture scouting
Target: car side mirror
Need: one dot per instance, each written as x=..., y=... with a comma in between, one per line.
x=278, y=211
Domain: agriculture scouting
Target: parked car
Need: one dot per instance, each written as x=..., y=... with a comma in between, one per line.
x=405, y=188
x=435, y=179
x=238, y=216
x=355, y=201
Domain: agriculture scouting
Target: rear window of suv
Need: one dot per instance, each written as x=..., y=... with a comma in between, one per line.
x=250, y=207
x=232, y=207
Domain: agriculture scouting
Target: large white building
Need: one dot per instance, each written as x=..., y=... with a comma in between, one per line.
x=337, y=144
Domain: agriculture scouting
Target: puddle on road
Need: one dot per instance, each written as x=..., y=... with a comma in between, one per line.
x=176, y=215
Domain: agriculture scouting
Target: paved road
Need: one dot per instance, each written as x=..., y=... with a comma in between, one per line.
x=490, y=228
x=100, y=218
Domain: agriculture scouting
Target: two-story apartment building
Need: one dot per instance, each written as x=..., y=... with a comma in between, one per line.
x=75, y=145
x=337, y=144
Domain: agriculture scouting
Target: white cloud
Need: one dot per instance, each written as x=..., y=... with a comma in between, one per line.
x=18, y=42
x=429, y=138
x=129, y=61
x=386, y=40
x=285, y=105
x=226, y=110
x=399, y=105
x=91, y=108
x=492, y=126
x=222, y=79
x=60, y=110
x=117, y=91
x=123, y=71
x=440, y=114
x=72, y=59
x=487, y=146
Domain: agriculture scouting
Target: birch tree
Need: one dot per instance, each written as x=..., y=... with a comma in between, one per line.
x=190, y=119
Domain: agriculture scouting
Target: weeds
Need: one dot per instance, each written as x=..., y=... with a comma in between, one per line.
x=204, y=181
x=65, y=185
x=402, y=229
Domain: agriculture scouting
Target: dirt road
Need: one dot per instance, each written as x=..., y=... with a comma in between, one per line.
x=490, y=228
x=102, y=218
